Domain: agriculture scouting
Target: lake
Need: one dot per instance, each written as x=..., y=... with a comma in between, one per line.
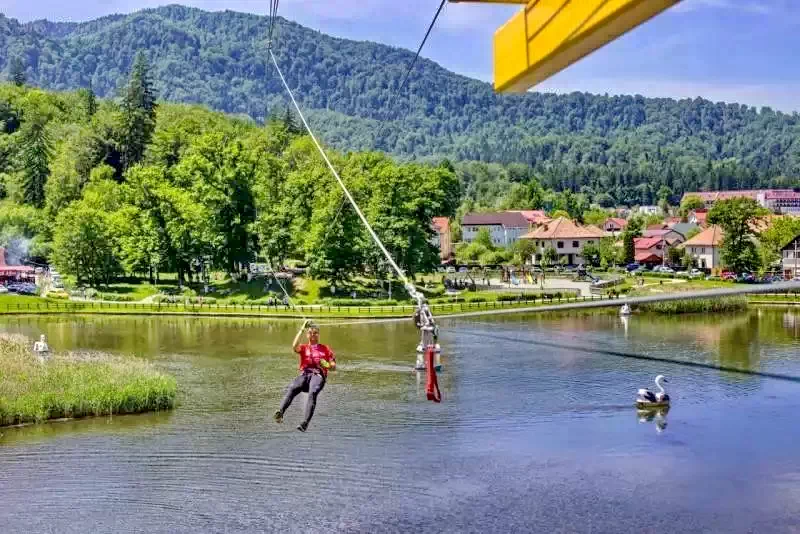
x=536, y=432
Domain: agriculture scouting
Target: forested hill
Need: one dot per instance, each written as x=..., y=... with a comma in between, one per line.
x=577, y=141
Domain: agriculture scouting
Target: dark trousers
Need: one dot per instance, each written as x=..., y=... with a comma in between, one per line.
x=308, y=382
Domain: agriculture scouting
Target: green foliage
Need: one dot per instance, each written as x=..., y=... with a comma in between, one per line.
x=781, y=232
x=16, y=72
x=618, y=150
x=138, y=113
x=591, y=254
x=484, y=238
x=595, y=216
x=68, y=386
x=549, y=256
x=736, y=217
x=690, y=203
x=628, y=247
x=36, y=151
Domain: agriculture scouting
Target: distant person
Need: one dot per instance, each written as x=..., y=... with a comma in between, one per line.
x=315, y=361
x=40, y=348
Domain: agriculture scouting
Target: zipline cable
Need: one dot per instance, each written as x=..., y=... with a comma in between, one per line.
x=424, y=39
x=408, y=285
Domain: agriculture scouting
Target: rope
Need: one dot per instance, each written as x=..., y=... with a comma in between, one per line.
x=427, y=33
x=408, y=285
x=273, y=17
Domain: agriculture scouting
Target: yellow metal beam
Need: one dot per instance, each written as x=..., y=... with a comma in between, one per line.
x=547, y=36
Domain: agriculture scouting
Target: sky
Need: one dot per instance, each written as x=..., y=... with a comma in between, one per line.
x=723, y=50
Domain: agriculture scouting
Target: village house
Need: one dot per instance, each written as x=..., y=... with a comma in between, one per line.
x=566, y=237
x=614, y=225
x=791, y=259
x=649, y=250
x=705, y=248
x=777, y=200
x=504, y=227
x=699, y=217
x=671, y=236
x=534, y=217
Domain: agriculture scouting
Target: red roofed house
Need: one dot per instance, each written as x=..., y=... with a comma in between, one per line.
x=441, y=226
x=649, y=250
x=671, y=236
x=777, y=200
x=566, y=237
x=614, y=225
x=504, y=227
x=705, y=248
x=13, y=272
x=781, y=201
x=699, y=217
x=535, y=217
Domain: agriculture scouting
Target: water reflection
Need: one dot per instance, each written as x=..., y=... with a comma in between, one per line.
x=657, y=415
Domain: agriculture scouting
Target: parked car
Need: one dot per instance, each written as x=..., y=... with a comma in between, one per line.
x=633, y=267
x=728, y=276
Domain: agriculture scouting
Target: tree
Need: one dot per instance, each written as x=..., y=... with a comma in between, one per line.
x=484, y=238
x=629, y=247
x=89, y=101
x=36, y=149
x=16, y=72
x=690, y=203
x=675, y=255
x=549, y=256
x=592, y=254
x=83, y=244
x=138, y=113
x=289, y=122
x=781, y=231
x=522, y=250
x=595, y=216
x=736, y=217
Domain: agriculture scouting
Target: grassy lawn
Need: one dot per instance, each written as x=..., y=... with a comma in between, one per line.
x=75, y=385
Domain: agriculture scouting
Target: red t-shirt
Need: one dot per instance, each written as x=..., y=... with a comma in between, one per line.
x=310, y=356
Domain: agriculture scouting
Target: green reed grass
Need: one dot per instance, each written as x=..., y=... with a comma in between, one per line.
x=718, y=305
x=72, y=385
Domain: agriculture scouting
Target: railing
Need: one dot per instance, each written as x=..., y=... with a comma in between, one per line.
x=45, y=306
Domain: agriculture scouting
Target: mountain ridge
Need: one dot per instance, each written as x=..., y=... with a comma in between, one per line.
x=351, y=91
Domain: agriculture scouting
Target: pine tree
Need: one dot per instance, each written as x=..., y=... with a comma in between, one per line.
x=138, y=113
x=89, y=100
x=16, y=72
x=290, y=123
x=36, y=153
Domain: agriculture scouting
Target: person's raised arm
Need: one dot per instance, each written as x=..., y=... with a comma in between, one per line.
x=296, y=342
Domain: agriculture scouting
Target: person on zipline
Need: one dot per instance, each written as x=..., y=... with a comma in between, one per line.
x=315, y=361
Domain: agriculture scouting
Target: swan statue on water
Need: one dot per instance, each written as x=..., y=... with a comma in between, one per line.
x=647, y=399
x=625, y=310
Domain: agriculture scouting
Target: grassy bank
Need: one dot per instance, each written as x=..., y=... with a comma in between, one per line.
x=73, y=385
x=676, y=307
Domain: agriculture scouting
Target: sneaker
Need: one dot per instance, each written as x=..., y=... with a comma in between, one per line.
x=302, y=427
x=278, y=417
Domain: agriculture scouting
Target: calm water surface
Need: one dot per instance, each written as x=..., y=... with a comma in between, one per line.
x=536, y=431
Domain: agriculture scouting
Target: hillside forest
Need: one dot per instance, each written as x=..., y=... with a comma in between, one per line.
x=612, y=150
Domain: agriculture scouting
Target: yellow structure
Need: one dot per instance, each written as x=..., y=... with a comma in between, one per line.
x=547, y=36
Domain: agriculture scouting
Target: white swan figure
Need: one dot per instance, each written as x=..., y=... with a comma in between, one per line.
x=647, y=399
x=625, y=310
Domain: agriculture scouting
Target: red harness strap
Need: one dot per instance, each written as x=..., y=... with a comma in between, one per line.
x=432, y=384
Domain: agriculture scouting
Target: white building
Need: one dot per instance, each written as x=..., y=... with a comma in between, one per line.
x=649, y=210
x=791, y=259
x=706, y=248
x=566, y=237
x=504, y=227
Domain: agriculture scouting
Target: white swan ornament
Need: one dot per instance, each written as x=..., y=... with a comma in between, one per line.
x=647, y=399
